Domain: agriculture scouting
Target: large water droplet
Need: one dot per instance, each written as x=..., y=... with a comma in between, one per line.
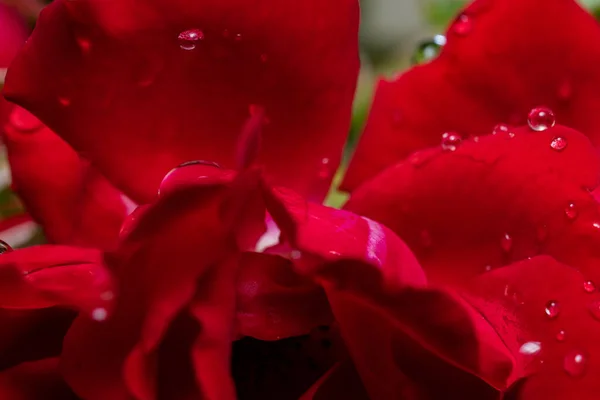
x=190, y=38
x=428, y=50
x=595, y=309
x=541, y=118
x=589, y=287
x=325, y=169
x=463, y=25
x=99, y=314
x=4, y=247
x=506, y=242
x=450, y=141
x=181, y=175
x=561, y=335
x=500, y=128
x=571, y=211
x=530, y=348
x=558, y=143
x=574, y=363
x=552, y=309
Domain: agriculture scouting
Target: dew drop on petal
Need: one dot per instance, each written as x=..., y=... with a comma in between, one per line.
x=541, y=119
x=172, y=179
x=571, y=211
x=506, y=242
x=295, y=254
x=530, y=348
x=589, y=287
x=190, y=38
x=596, y=225
x=558, y=143
x=552, y=309
x=595, y=309
x=99, y=314
x=4, y=247
x=64, y=101
x=450, y=141
x=500, y=128
x=325, y=170
x=24, y=121
x=561, y=335
x=574, y=363
x=463, y=25
x=107, y=296
x=428, y=50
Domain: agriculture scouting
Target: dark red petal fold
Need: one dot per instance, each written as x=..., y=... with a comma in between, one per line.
x=33, y=381
x=186, y=80
x=556, y=315
x=502, y=58
x=341, y=381
x=73, y=202
x=490, y=202
x=174, y=254
x=46, y=276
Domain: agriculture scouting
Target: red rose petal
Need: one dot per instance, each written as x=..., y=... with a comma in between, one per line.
x=491, y=202
x=176, y=242
x=561, y=334
x=33, y=381
x=510, y=60
x=274, y=302
x=45, y=276
x=341, y=380
x=70, y=199
x=117, y=82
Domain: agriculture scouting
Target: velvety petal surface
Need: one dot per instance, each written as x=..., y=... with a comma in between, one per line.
x=142, y=86
x=33, y=381
x=499, y=199
x=556, y=318
x=73, y=202
x=502, y=58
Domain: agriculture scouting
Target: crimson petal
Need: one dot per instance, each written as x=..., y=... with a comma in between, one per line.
x=502, y=58
x=490, y=202
x=142, y=86
x=33, y=381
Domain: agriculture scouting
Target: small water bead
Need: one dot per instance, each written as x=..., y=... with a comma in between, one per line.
x=488, y=268
x=596, y=225
x=595, y=309
x=530, y=348
x=506, y=242
x=325, y=169
x=463, y=25
x=541, y=119
x=295, y=254
x=558, y=143
x=575, y=363
x=190, y=38
x=500, y=128
x=571, y=211
x=64, y=101
x=428, y=50
x=5, y=247
x=552, y=309
x=99, y=314
x=589, y=287
x=238, y=37
x=107, y=296
x=450, y=141
x=561, y=335
x=181, y=175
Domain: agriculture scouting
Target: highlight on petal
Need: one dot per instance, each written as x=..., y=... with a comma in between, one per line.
x=556, y=320
x=74, y=203
x=47, y=276
x=501, y=59
x=185, y=81
x=490, y=202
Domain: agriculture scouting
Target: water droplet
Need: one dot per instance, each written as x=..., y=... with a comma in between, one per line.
x=99, y=314
x=500, y=128
x=334, y=253
x=190, y=38
x=4, y=247
x=596, y=225
x=571, y=211
x=595, y=309
x=463, y=25
x=295, y=254
x=450, y=141
x=428, y=50
x=506, y=242
x=552, y=309
x=561, y=335
x=24, y=121
x=180, y=175
x=64, y=101
x=488, y=268
x=541, y=119
x=574, y=363
x=530, y=348
x=558, y=143
x=476, y=139
x=589, y=287
x=238, y=37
